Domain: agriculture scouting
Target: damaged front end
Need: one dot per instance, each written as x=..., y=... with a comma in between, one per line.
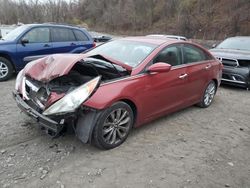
x=54, y=96
x=51, y=107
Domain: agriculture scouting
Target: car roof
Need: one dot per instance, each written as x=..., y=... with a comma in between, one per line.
x=151, y=40
x=246, y=37
x=168, y=36
x=53, y=24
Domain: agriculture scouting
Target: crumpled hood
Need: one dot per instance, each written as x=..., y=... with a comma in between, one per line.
x=231, y=53
x=53, y=66
x=50, y=67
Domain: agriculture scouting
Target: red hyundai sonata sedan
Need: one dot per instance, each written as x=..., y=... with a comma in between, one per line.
x=119, y=85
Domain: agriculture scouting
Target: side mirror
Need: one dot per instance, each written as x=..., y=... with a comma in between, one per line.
x=159, y=67
x=24, y=41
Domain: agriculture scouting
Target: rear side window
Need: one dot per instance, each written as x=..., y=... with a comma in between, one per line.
x=62, y=35
x=80, y=36
x=193, y=54
x=38, y=35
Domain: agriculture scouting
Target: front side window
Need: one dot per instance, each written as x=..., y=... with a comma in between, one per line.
x=38, y=35
x=170, y=55
x=193, y=54
x=62, y=35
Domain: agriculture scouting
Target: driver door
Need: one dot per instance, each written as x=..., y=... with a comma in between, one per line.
x=166, y=92
x=37, y=42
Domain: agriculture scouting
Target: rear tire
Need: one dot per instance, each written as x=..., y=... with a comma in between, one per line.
x=6, y=69
x=113, y=126
x=208, y=95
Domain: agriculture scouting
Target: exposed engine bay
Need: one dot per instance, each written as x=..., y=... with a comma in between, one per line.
x=83, y=71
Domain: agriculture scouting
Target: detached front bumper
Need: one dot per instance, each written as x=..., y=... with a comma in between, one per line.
x=52, y=127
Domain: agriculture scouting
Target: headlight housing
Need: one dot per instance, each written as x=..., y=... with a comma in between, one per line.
x=71, y=101
x=18, y=80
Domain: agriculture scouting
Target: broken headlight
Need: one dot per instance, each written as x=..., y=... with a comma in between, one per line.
x=74, y=99
x=19, y=80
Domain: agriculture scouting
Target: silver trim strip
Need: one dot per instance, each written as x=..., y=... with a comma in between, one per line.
x=191, y=64
x=126, y=78
x=234, y=81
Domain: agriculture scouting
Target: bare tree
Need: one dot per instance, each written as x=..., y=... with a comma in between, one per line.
x=192, y=18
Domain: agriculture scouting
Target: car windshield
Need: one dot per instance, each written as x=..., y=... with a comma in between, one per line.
x=235, y=43
x=14, y=33
x=131, y=53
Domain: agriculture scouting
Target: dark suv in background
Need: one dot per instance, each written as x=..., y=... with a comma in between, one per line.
x=234, y=53
x=28, y=42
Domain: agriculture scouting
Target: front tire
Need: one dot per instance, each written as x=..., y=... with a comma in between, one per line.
x=113, y=126
x=208, y=95
x=6, y=69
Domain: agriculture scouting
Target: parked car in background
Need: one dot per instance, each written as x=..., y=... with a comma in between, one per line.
x=98, y=37
x=121, y=84
x=4, y=30
x=20, y=45
x=168, y=36
x=234, y=53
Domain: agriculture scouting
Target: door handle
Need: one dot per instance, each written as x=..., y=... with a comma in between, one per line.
x=208, y=67
x=183, y=76
x=46, y=45
x=72, y=44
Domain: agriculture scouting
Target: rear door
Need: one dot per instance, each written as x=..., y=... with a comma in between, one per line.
x=37, y=43
x=64, y=40
x=84, y=41
x=199, y=67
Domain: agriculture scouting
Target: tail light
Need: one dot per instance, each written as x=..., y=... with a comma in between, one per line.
x=94, y=44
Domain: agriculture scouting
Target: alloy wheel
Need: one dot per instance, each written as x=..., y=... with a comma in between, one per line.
x=209, y=93
x=3, y=70
x=116, y=126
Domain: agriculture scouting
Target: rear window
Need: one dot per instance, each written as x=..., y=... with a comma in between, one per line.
x=62, y=35
x=80, y=35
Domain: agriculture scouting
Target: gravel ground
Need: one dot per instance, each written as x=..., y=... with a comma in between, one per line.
x=191, y=148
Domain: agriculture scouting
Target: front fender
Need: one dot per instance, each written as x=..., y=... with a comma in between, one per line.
x=10, y=56
x=85, y=125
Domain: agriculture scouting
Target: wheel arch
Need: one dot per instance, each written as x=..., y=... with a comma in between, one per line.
x=7, y=56
x=216, y=82
x=133, y=107
x=86, y=122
